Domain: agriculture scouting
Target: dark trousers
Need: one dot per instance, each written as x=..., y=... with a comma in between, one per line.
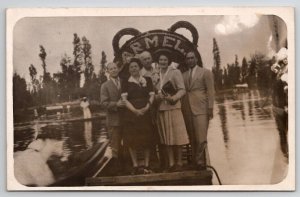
x=114, y=135
x=281, y=118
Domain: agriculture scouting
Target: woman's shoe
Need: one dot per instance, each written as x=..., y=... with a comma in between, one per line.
x=147, y=170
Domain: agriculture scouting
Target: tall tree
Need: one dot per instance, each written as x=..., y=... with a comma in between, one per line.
x=32, y=72
x=64, y=78
x=256, y=62
x=43, y=56
x=102, y=71
x=230, y=75
x=217, y=66
x=34, y=81
x=237, y=71
x=244, y=70
x=46, y=75
x=49, y=85
x=78, y=54
x=21, y=96
x=226, y=80
x=89, y=67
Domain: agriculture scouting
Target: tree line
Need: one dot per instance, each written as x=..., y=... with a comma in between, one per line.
x=256, y=72
x=63, y=85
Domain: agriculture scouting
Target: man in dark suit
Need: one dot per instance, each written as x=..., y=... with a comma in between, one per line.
x=198, y=106
x=111, y=101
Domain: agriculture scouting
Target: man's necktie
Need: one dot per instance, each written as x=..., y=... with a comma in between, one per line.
x=117, y=83
x=190, y=77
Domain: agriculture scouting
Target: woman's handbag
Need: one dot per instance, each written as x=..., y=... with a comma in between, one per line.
x=169, y=89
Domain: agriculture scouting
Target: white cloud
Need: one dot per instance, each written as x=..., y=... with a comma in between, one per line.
x=236, y=24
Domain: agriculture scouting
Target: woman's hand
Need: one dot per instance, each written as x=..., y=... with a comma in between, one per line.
x=159, y=96
x=121, y=103
x=130, y=107
x=145, y=109
x=170, y=99
x=138, y=112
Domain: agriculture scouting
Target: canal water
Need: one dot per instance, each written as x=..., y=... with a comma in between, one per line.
x=243, y=142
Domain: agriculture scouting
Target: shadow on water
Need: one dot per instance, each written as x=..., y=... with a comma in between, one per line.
x=250, y=107
x=223, y=119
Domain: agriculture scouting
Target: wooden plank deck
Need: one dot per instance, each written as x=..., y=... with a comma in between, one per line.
x=156, y=179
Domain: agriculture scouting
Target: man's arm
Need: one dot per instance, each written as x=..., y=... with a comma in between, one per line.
x=105, y=100
x=209, y=83
x=180, y=85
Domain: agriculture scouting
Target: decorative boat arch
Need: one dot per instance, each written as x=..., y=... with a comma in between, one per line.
x=157, y=40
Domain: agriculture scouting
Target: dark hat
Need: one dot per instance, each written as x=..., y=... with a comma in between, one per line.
x=136, y=60
x=165, y=52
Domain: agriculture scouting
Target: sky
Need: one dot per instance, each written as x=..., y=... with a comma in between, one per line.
x=241, y=35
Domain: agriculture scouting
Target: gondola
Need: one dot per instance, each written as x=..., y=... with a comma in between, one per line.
x=86, y=164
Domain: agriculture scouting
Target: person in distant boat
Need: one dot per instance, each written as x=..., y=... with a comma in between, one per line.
x=36, y=115
x=198, y=106
x=172, y=130
x=138, y=131
x=85, y=107
x=111, y=101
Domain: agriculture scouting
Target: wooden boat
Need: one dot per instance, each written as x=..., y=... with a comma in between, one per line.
x=87, y=164
x=188, y=176
x=203, y=177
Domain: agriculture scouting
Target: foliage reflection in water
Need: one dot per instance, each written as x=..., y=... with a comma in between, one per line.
x=244, y=143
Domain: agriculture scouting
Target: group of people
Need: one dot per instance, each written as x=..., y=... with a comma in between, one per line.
x=152, y=105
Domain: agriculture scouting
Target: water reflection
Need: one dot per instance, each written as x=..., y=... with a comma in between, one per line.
x=250, y=107
x=88, y=133
x=223, y=119
x=249, y=154
x=244, y=144
x=77, y=136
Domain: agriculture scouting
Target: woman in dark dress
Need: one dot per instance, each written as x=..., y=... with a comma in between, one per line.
x=138, y=132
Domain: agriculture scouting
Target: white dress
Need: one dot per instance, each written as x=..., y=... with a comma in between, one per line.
x=86, y=110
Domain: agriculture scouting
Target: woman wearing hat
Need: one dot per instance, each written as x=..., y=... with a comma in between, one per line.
x=85, y=107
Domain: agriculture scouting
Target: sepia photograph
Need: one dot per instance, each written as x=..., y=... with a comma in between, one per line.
x=151, y=99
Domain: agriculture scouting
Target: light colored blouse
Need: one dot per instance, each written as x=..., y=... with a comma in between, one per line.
x=175, y=77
